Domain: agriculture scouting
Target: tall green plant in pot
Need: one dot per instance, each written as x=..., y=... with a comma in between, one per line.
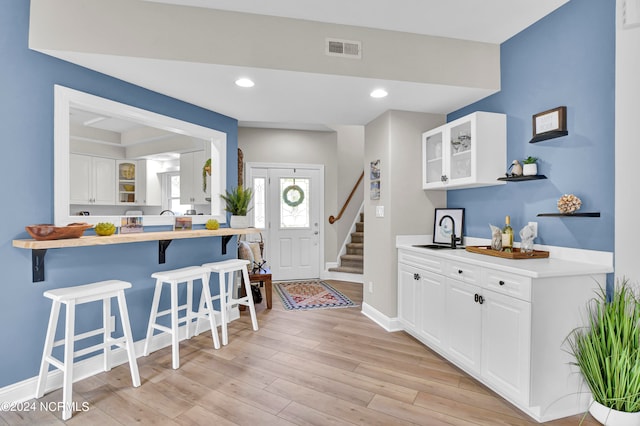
x=607, y=352
x=237, y=203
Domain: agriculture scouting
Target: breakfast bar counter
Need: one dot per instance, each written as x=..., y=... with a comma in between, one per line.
x=164, y=238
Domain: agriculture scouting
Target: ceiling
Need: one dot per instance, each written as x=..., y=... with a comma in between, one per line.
x=287, y=99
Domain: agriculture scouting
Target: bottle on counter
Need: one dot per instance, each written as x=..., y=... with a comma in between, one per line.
x=507, y=235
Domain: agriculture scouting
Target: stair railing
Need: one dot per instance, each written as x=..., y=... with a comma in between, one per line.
x=333, y=219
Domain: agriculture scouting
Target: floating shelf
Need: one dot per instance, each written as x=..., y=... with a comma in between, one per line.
x=586, y=214
x=549, y=135
x=521, y=178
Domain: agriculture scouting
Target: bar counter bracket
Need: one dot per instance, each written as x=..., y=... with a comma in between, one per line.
x=164, y=238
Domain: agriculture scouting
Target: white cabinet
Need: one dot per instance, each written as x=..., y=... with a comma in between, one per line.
x=504, y=328
x=127, y=172
x=92, y=180
x=192, y=189
x=468, y=152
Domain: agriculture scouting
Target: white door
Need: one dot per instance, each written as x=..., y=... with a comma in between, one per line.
x=289, y=208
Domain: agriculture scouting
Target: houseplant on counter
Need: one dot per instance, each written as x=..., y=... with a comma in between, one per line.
x=529, y=166
x=607, y=352
x=238, y=205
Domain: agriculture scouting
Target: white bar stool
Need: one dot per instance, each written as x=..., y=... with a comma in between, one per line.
x=173, y=278
x=72, y=296
x=230, y=267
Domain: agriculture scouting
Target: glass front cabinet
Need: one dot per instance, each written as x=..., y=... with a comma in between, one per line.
x=468, y=152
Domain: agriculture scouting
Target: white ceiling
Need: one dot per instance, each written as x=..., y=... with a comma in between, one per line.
x=289, y=99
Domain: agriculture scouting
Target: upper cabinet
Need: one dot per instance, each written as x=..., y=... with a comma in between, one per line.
x=92, y=180
x=195, y=184
x=138, y=182
x=468, y=152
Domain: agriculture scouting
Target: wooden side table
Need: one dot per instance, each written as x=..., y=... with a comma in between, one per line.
x=268, y=287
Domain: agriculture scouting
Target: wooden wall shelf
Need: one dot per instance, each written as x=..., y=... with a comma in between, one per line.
x=586, y=214
x=522, y=178
x=164, y=238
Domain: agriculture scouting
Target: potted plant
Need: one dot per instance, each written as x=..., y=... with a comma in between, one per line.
x=530, y=167
x=607, y=352
x=206, y=171
x=238, y=205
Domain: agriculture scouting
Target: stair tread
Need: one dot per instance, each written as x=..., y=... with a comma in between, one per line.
x=352, y=256
x=347, y=269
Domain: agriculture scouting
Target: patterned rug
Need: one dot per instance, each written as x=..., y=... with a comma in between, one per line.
x=305, y=295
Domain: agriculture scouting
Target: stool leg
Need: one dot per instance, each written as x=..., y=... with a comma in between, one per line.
x=48, y=347
x=252, y=309
x=206, y=293
x=152, y=317
x=106, y=325
x=126, y=329
x=69, y=338
x=201, y=307
x=189, y=313
x=223, y=308
x=175, y=341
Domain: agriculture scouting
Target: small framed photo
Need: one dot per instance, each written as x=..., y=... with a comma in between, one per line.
x=446, y=223
x=549, y=124
x=375, y=170
x=131, y=224
x=183, y=223
x=375, y=190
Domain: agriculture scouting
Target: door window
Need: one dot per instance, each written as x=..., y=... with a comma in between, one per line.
x=294, y=203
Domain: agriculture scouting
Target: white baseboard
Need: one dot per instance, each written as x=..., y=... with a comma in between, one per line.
x=342, y=276
x=389, y=324
x=26, y=389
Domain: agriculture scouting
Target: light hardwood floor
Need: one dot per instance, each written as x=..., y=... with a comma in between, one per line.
x=321, y=367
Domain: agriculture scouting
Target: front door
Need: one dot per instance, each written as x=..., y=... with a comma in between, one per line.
x=291, y=217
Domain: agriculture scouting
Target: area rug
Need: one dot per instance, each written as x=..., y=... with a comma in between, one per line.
x=306, y=295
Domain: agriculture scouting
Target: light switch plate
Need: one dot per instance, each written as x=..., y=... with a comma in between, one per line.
x=379, y=211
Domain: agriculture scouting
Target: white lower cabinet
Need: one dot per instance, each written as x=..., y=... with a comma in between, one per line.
x=504, y=329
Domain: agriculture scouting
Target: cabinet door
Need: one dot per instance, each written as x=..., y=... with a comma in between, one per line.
x=431, y=307
x=186, y=178
x=461, y=152
x=148, y=188
x=80, y=179
x=105, y=180
x=127, y=181
x=506, y=343
x=433, y=159
x=408, y=291
x=463, y=313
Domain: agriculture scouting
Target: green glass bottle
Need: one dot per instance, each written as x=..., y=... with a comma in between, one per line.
x=507, y=235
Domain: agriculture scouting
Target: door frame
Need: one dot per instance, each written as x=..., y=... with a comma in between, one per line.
x=249, y=166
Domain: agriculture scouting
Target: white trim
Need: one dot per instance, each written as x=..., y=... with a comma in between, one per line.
x=65, y=98
x=318, y=167
x=343, y=249
x=389, y=324
x=26, y=389
x=341, y=276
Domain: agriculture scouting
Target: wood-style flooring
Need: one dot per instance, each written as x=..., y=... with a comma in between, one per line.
x=321, y=367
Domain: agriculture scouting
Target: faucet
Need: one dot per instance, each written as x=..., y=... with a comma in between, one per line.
x=454, y=239
x=167, y=211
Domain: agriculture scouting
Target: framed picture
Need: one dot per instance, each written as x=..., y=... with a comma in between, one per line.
x=375, y=190
x=550, y=124
x=131, y=224
x=446, y=223
x=183, y=223
x=375, y=170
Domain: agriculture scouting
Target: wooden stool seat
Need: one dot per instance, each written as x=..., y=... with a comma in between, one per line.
x=173, y=278
x=70, y=297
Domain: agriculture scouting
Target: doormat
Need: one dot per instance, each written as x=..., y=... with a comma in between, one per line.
x=306, y=295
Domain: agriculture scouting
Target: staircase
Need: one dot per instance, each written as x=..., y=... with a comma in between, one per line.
x=352, y=261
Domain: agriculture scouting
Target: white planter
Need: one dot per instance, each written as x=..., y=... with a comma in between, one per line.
x=239, y=222
x=609, y=417
x=530, y=169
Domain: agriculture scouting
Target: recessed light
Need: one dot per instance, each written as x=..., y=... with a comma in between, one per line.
x=379, y=93
x=244, y=82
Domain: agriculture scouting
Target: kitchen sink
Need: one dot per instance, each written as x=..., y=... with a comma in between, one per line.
x=436, y=246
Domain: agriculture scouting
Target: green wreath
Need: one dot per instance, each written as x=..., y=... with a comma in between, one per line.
x=295, y=201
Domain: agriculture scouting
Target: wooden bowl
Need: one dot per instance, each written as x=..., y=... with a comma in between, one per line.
x=51, y=232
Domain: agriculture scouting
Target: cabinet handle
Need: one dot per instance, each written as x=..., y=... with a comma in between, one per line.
x=416, y=276
x=444, y=178
x=459, y=271
x=501, y=282
x=480, y=300
x=475, y=297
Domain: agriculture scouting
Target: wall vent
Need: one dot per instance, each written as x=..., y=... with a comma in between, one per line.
x=343, y=48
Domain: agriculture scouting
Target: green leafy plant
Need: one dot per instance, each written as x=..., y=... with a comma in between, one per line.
x=530, y=160
x=238, y=200
x=607, y=350
x=206, y=170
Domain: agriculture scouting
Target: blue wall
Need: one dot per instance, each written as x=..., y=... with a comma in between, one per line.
x=26, y=119
x=568, y=59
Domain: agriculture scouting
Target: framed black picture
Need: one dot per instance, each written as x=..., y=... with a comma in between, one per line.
x=447, y=222
x=549, y=124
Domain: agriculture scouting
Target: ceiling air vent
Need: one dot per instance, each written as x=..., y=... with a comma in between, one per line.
x=343, y=48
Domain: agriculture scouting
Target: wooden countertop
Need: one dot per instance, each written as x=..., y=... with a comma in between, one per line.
x=131, y=238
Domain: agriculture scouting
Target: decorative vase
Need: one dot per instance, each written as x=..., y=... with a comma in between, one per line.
x=239, y=222
x=530, y=169
x=610, y=417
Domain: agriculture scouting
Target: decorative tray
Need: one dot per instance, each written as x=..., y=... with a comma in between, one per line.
x=515, y=254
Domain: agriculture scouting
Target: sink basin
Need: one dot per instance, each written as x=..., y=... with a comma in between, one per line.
x=436, y=246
